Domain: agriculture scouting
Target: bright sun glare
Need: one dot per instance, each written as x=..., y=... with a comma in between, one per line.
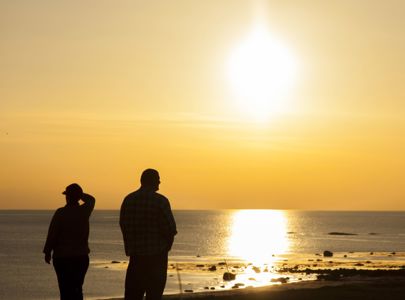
x=261, y=72
x=258, y=234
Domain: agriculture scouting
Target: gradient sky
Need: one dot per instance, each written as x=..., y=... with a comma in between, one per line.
x=96, y=91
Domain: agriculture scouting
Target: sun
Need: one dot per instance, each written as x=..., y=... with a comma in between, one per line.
x=261, y=71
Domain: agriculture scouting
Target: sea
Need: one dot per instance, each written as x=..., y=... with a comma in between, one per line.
x=204, y=236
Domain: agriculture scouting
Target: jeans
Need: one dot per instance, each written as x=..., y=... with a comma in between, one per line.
x=146, y=274
x=71, y=272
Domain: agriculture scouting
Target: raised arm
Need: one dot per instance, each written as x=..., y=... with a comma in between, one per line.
x=89, y=202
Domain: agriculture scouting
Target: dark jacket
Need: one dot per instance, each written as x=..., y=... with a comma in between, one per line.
x=69, y=230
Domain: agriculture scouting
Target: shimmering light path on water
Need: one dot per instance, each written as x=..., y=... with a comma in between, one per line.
x=257, y=235
x=205, y=238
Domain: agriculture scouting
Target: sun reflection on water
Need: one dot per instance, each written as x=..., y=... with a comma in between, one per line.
x=257, y=235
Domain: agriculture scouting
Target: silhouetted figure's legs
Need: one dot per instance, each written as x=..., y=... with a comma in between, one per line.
x=135, y=280
x=71, y=272
x=158, y=276
x=146, y=274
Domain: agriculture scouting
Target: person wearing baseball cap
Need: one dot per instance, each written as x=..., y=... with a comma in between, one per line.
x=67, y=242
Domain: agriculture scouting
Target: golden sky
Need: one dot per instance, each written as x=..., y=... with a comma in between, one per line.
x=96, y=91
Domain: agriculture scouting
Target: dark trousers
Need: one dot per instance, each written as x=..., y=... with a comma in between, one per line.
x=146, y=274
x=71, y=272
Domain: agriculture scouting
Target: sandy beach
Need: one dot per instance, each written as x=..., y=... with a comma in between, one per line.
x=358, y=288
x=384, y=287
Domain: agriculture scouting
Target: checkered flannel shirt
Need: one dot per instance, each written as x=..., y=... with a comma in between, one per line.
x=147, y=223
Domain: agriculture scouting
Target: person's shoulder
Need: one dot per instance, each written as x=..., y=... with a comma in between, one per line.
x=60, y=210
x=161, y=198
x=130, y=197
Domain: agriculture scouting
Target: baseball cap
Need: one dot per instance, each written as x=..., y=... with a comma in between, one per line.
x=73, y=189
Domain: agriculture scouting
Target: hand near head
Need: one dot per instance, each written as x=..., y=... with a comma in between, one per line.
x=74, y=193
x=48, y=258
x=86, y=197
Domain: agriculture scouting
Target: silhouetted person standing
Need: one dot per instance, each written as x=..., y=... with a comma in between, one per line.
x=68, y=240
x=148, y=228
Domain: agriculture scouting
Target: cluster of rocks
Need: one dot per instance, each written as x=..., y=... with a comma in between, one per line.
x=334, y=274
x=328, y=253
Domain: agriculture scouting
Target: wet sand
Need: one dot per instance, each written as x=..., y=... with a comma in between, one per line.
x=364, y=288
x=359, y=288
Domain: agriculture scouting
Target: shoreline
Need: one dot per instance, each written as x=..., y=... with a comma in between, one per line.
x=360, y=287
x=299, y=279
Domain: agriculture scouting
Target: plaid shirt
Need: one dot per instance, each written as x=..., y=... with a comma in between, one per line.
x=147, y=223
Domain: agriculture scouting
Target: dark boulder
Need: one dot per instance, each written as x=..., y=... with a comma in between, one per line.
x=228, y=276
x=212, y=268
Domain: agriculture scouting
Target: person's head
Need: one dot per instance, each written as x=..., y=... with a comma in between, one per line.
x=73, y=193
x=150, y=179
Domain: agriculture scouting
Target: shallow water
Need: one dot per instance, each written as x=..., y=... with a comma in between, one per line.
x=204, y=237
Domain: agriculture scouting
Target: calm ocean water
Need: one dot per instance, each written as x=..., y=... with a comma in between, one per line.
x=244, y=234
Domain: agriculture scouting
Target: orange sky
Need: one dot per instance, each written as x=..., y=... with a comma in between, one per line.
x=94, y=92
